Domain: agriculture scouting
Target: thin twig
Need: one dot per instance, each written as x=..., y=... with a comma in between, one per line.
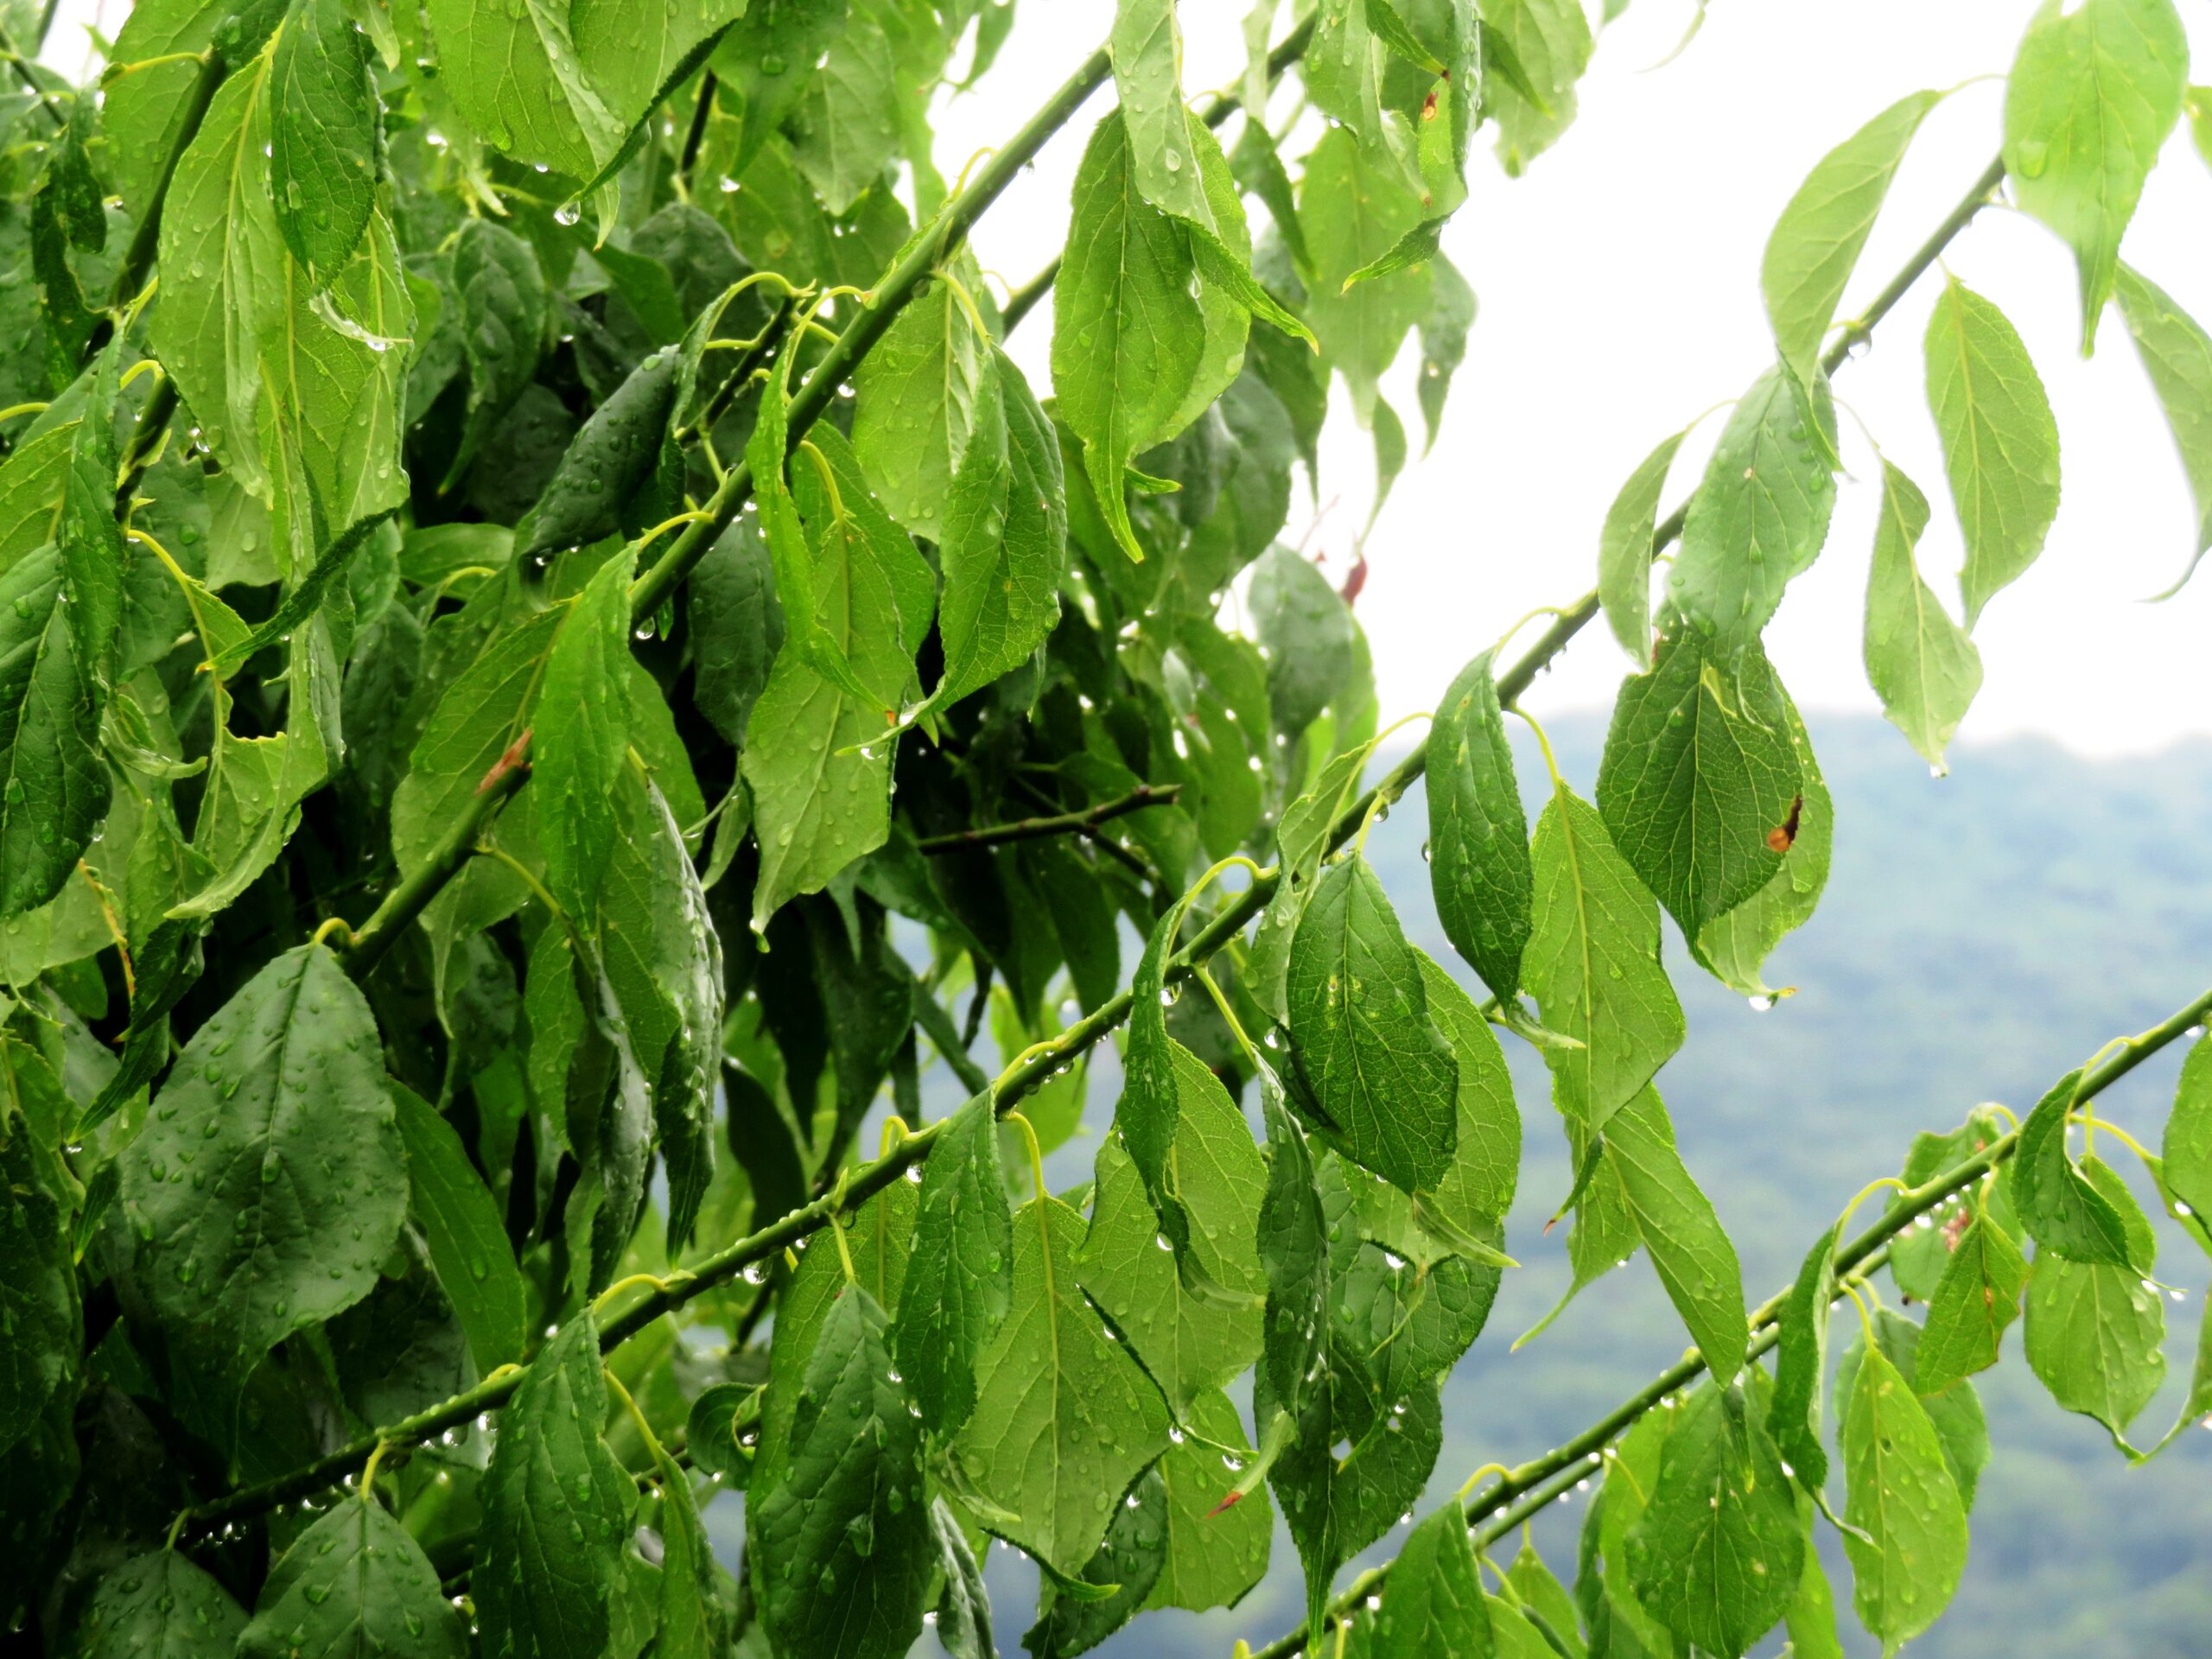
x=1085, y=822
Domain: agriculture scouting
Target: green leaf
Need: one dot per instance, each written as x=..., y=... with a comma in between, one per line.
x=1718, y=1553
x=921, y=396
x=1190, y=1343
x=1129, y=338
x=961, y=1283
x=1734, y=945
x=274, y=1121
x=38, y=1290
x=467, y=1234
x=736, y=628
x=1293, y=1250
x=1308, y=633
x=581, y=739
x=1355, y=204
x=515, y=75
x=503, y=315
x=963, y=1610
x=2187, y=1147
x=712, y=1428
x=691, y=1617
x=1005, y=538
x=1147, y=1112
x=2092, y=93
x=1444, y=334
x=2177, y=354
x=1593, y=965
x=1360, y=1033
x=1817, y=240
x=1900, y=1495
x=612, y=458
x=1116, y=1581
x=1478, y=833
x=756, y=59
x=845, y=127
x=53, y=784
x=161, y=1604
x=1477, y=1191
x=355, y=1583
x=1810, y=1618
x=322, y=134
x=841, y=1545
x=820, y=799
x=1761, y=512
x=1921, y=664
x=557, y=1510
x=1548, y=42
x=1538, y=1591
x=1624, y=550
x=1214, y=1556
x=1434, y=1601
x=1694, y=1260
x=1978, y=1297
x=1700, y=779
x=1064, y=1419
x=2001, y=444
x=2058, y=1205
x=2095, y=1335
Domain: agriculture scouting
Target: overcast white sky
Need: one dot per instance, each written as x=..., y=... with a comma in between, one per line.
x=1618, y=288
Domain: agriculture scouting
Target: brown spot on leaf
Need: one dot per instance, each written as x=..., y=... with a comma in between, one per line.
x=1783, y=835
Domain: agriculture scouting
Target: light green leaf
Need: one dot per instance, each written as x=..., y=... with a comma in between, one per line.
x=1978, y=1297
x=2095, y=88
x=1549, y=41
x=920, y=393
x=2177, y=354
x=841, y=1548
x=1761, y=512
x=557, y=1510
x=1434, y=1601
x=1625, y=546
x=1343, y=69
x=1810, y=1618
x=1190, y=1343
x=1214, y=1556
x=515, y=75
x=1718, y=1553
x=274, y=1119
x=1735, y=944
x=1700, y=781
x=2096, y=1331
x=1477, y=832
x=1817, y=240
x=2001, y=444
x=1538, y=1590
x=353, y=1585
x=1694, y=1260
x=1074, y=1616
x=1593, y=965
x=845, y=127
x=1900, y=1495
x=1800, y=1365
x=1064, y=1419
x=581, y=741
x=2061, y=1209
x=1355, y=203
x=323, y=135
x=1382, y=1078
x=961, y=1283
x=2187, y=1147
x=467, y=1234
x=1444, y=331
x=1477, y=1191
x=1921, y=664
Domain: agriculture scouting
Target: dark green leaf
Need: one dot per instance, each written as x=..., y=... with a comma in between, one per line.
x=38, y=1290
x=466, y=1233
x=964, y=1608
x=1478, y=833
x=1801, y=1366
x=1435, y=1602
x=354, y=1585
x=557, y=1509
x=721, y=1422
x=53, y=784
x=612, y=458
x=274, y=1121
x=1128, y=1564
x=503, y=312
x=1294, y=1257
x=1694, y=1260
x=843, y=1549
x=161, y=1604
x=322, y=134
x=1360, y=1030
x=581, y=740
x=961, y=1283
x=736, y=627
x=2057, y=1204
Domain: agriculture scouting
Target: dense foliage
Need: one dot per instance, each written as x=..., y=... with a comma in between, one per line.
x=527, y=553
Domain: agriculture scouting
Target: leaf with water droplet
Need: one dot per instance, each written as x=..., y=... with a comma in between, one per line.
x=354, y=1582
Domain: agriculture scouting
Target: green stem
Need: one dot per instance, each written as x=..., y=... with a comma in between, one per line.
x=412, y=896
x=1061, y=823
x=1522, y=1491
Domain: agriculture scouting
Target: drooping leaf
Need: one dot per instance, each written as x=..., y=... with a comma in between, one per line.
x=1478, y=833
x=842, y=1550
x=1817, y=240
x=53, y=784
x=1294, y=1257
x=1734, y=945
x=1355, y=202
x=1114, y=1582
x=1548, y=42
x=1624, y=552
x=1434, y=1601
x=2095, y=1333
x=1361, y=1034
x=1793, y=1413
x=581, y=739
x=1717, y=1552
x=1593, y=965
x=961, y=1284
x=1477, y=1191
x=2001, y=444
x=39, y=1303
x=517, y=78
x=355, y=1583
x=1761, y=512
x=1921, y=663
x=2177, y=354
x=612, y=457
x=1978, y=1297
x=963, y=1609
x=1064, y=1419
x=2057, y=1204
x=322, y=134
x=1694, y=1260
x=1700, y=781
x=1213, y=1555
x=2187, y=1147
x=466, y=1235
x=556, y=1507
x=274, y=1119
x=922, y=395
x=2092, y=93
x=1910, y=1543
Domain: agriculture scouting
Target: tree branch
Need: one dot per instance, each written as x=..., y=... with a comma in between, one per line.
x=1063, y=823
